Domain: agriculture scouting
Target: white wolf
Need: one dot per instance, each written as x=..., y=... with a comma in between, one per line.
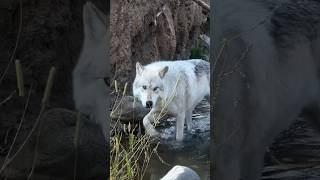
x=182, y=84
x=89, y=88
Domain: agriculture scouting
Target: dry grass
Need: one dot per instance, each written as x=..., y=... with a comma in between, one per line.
x=130, y=151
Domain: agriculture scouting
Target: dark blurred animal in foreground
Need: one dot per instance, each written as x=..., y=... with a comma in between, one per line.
x=266, y=74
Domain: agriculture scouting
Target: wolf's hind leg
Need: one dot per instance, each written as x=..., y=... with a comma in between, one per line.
x=180, y=126
x=189, y=119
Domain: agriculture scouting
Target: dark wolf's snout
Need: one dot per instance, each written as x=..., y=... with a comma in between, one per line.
x=149, y=104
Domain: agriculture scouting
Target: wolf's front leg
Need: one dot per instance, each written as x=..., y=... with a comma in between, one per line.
x=180, y=126
x=147, y=123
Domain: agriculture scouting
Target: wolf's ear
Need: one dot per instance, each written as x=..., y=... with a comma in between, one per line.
x=163, y=71
x=94, y=23
x=139, y=68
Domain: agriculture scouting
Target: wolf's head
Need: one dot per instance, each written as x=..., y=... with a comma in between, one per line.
x=148, y=85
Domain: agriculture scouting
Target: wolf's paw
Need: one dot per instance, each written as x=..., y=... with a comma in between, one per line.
x=153, y=133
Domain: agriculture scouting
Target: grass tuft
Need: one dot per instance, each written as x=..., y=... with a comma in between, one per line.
x=130, y=150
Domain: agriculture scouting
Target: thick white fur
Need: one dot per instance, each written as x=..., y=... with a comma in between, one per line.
x=181, y=173
x=179, y=81
x=89, y=89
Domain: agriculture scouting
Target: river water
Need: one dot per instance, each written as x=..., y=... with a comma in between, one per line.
x=192, y=152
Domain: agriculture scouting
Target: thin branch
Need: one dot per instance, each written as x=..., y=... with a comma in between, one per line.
x=19, y=127
x=8, y=98
x=203, y=5
x=24, y=142
x=15, y=47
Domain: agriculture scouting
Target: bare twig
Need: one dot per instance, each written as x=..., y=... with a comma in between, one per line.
x=45, y=99
x=202, y=4
x=76, y=143
x=8, y=98
x=37, y=141
x=19, y=128
x=237, y=64
x=161, y=159
x=15, y=47
x=24, y=142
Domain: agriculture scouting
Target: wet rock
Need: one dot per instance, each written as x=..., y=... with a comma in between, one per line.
x=128, y=109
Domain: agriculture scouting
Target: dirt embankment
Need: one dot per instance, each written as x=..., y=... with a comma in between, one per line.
x=147, y=31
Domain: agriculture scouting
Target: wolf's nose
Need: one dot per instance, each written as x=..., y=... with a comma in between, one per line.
x=149, y=104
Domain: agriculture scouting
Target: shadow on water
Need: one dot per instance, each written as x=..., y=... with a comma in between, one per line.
x=192, y=152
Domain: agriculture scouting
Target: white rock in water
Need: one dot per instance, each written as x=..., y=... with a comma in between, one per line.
x=181, y=173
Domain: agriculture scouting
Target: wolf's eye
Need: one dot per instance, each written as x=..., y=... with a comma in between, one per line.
x=144, y=87
x=155, y=89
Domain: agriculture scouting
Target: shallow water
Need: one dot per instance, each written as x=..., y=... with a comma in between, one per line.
x=192, y=152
